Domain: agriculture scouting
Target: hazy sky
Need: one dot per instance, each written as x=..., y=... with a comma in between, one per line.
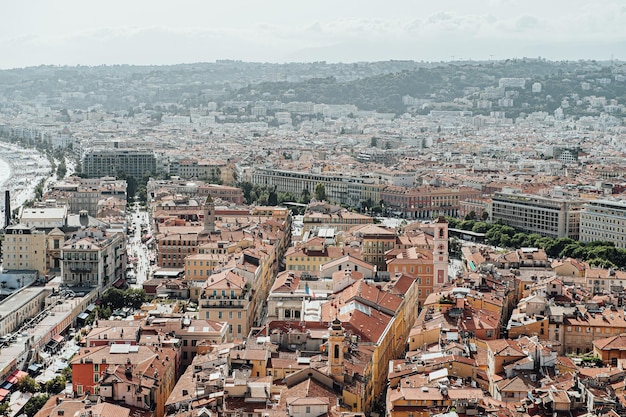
x=71, y=32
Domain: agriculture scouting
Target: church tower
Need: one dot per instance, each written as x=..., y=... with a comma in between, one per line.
x=335, y=350
x=440, y=253
x=209, y=216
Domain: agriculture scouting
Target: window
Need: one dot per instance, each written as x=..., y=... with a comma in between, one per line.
x=308, y=408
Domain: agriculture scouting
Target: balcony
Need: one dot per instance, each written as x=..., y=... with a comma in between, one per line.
x=80, y=270
x=223, y=304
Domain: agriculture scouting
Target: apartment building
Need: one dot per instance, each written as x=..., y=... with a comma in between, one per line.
x=24, y=248
x=83, y=194
x=426, y=202
x=93, y=258
x=586, y=325
x=135, y=163
x=226, y=297
x=340, y=189
x=136, y=376
x=604, y=220
x=548, y=216
x=375, y=242
x=327, y=216
x=311, y=255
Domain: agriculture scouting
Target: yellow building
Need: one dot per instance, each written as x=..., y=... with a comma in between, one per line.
x=24, y=248
x=375, y=241
x=314, y=253
x=584, y=327
x=326, y=215
x=226, y=297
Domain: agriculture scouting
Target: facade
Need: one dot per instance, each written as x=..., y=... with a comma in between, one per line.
x=174, y=248
x=604, y=220
x=21, y=307
x=340, y=188
x=610, y=349
x=426, y=202
x=113, y=162
x=226, y=297
x=338, y=219
x=584, y=327
x=136, y=376
x=548, y=216
x=93, y=258
x=190, y=333
x=24, y=248
x=375, y=242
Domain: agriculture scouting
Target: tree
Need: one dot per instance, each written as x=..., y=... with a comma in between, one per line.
x=55, y=385
x=305, y=196
x=471, y=215
x=35, y=404
x=67, y=373
x=113, y=298
x=61, y=169
x=246, y=187
x=5, y=408
x=27, y=384
x=272, y=199
x=320, y=192
x=134, y=297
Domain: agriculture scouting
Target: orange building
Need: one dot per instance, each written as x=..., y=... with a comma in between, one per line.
x=112, y=371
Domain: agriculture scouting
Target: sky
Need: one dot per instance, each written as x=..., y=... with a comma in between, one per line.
x=157, y=32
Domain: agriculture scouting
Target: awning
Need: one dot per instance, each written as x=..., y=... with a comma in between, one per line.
x=35, y=367
x=83, y=316
x=7, y=385
x=90, y=307
x=58, y=338
x=4, y=393
x=119, y=283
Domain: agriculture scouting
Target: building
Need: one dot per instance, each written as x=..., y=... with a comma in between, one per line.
x=604, y=220
x=375, y=242
x=191, y=333
x=24, y=248
x=226, y=297
x=84, y=194
x=548, y=216
x=93, y=258
x=136, y=376
x=585, y=326
x=340, y=189
x=610, y=349
x=324, y=215
x=118, y=162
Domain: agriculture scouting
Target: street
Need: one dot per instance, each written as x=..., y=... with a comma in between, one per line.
x=137, y=249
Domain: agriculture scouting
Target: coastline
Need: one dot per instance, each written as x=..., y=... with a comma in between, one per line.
x=26, y=167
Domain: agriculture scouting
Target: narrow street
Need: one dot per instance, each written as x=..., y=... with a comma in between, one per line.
x=137, y=249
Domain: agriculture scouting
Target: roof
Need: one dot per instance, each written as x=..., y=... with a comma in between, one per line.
x=617, y=342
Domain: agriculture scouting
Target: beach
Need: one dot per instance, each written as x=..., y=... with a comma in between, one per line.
x=20, y=172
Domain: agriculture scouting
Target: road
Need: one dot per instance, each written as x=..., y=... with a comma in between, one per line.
x=137, y=249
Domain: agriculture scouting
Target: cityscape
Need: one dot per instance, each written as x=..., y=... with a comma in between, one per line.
x=389, y=237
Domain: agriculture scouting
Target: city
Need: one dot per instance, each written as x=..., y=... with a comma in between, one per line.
x=389, y=238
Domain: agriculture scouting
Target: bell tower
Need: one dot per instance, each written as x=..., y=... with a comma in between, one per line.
x=335, y=350
x=209, y=215
x=440, y=253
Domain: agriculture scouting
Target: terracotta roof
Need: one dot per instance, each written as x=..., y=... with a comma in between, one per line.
x=617, y=342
